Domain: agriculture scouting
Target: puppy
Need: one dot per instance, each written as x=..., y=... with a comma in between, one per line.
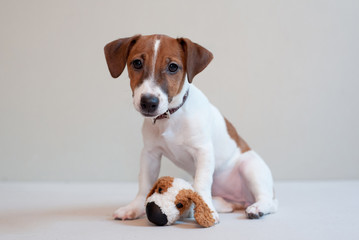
x=181, y=124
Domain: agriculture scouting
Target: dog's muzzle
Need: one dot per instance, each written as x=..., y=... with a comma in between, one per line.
x=149, y=103
x=155, y=215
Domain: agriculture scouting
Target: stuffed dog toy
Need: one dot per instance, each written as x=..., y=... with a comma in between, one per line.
x=173, y=198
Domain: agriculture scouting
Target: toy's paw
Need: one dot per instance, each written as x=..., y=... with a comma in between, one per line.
x=128, y=212
x=253, y=212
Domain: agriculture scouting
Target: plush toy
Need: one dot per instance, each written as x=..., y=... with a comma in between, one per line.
x=172, y=198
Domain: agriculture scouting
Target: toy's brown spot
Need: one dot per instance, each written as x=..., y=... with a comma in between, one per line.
x=243, y=146
x=183, y=199
x=161, y=185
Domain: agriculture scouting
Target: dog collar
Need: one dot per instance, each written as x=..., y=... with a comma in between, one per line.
x=170, y=111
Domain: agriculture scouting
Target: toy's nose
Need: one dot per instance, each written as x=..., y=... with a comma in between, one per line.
x=155, y=215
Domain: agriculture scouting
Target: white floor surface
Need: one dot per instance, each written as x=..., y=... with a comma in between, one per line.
x=307, y=210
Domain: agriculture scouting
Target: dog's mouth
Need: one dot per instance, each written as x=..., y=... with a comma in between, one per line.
x=148, y=114
x=151, y=115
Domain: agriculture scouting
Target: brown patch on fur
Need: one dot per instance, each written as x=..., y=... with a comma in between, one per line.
x=162, y=183
x=142, y=50
x=170, y=52
x=182, y=197
x=197, y=57
x=202, y=213
x=116, y=53
x=243, y=146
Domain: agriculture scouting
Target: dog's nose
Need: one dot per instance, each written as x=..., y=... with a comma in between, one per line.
x=149, y=103
x=155, y=215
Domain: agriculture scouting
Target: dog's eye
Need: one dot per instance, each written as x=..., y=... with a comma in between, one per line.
x=159, y=190
x=137, y=63
x=179, y=205
x=172, y=67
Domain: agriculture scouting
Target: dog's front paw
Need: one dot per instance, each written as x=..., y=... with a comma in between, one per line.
x=215, y=217
x=129, y=212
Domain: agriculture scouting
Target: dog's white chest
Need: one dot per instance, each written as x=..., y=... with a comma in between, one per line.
x=175, y=148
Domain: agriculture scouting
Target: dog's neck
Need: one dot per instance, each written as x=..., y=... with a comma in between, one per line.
x=170, y=111
x=176, y=103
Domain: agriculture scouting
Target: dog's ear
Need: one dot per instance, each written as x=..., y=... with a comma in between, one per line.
x=202, y=213
x=116, y=53
x=197, y=57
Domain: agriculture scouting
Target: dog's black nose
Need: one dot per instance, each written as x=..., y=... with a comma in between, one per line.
x=149, y=103
x=155, y=215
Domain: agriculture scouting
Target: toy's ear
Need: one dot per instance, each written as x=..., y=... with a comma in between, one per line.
x=116, y=53
x=202, y=213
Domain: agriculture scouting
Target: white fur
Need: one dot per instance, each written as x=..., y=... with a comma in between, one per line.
x=150, y=87
x=177, y=100
x=155, y=52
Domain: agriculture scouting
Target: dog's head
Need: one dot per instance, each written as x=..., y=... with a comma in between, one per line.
x=159, y=67
x=172, y=197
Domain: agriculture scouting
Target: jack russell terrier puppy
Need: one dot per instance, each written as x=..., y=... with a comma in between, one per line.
x=181, y=124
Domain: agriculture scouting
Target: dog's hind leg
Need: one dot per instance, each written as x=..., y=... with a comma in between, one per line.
x=223, y=206
x=259, y=181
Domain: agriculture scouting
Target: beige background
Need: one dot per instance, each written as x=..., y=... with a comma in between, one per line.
x=285, y=73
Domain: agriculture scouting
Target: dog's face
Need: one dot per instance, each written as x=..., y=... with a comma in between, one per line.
x=159, y=68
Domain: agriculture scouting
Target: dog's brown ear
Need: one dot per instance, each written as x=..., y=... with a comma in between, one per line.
x=116, y=53
x=202, y=213
x=197, y=57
